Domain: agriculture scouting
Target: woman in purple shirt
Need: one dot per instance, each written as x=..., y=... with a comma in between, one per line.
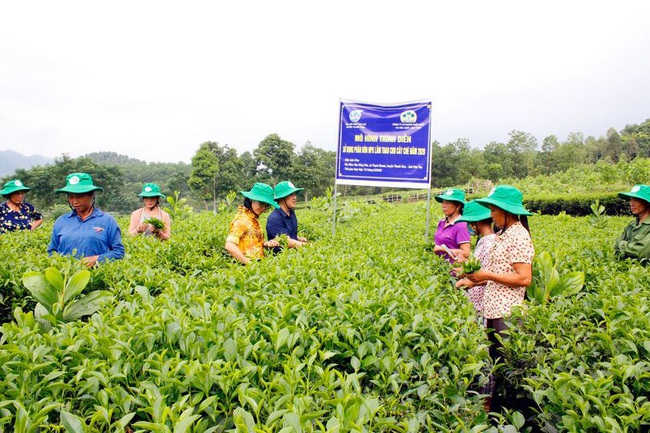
x=452, y=239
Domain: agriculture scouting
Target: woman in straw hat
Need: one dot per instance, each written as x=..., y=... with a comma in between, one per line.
x=16, y=213
x=635, y=240
x=140, y=218
x=245, y=241
x=87, y=232
x=509, y=270
x=452, y=239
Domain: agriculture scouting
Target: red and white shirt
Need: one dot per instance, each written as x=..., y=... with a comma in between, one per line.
x=514, y=245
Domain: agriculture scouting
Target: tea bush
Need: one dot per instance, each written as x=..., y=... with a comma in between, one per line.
x=358, y=332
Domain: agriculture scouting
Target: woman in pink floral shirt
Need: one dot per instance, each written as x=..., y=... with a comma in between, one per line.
x=509, y=271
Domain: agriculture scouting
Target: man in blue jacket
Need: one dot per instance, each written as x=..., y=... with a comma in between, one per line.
x=87, y=232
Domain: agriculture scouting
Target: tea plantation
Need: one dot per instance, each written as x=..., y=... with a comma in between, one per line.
x=361, y=332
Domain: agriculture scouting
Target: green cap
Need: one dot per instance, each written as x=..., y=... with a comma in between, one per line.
x=284, y=189
x=507, y=198
x=261, y=192
x=641, y=192
x=13, y=186
x=474, y=212
x=79, y=183
x=151, y=190
x=452, y=194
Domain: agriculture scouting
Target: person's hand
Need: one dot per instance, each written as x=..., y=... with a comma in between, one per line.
x=142, y=228
x=272, y=243
x=90, y=261
x=301, y=239
x=479, y=277
x=464, y=283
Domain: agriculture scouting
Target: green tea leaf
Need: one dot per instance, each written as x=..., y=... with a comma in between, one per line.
x=76, y=284
x=40, y=289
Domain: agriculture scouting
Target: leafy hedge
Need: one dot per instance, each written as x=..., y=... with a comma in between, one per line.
x=576, y=204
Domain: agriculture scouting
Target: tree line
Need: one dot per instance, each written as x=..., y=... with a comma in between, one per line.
x=217, y=170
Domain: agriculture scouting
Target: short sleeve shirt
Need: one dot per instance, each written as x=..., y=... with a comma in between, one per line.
x=481, y=252
x=11, y=220
x=514, y=245
x=246, y=233
x=451, y=235
x=280, y=223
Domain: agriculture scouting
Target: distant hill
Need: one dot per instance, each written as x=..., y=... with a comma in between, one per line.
x=10, y=161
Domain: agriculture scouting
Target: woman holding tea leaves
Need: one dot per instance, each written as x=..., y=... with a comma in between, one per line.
x=245, y=241
x=479, y=223
x=509, y=270
x=150, y=219
x=452, y=238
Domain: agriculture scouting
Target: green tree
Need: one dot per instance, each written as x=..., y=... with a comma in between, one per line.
x=203, y=177
x=522, y=147
x=316, y=170
x=46, y=179
x=498, y=160
x=275, y=159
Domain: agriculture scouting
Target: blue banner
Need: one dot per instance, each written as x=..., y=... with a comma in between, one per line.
x=384, y=145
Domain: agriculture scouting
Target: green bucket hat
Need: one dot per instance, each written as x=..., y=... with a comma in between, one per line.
x=507, y=198
x=151, y=190
x=638, y=191
x=452, y=194
x=261, y=192
x=13, y=186
x=79, y=183
x=474, y=212
x=284, y=189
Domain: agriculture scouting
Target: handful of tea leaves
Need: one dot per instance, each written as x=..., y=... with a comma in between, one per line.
x=283, y=240
x=156, y=223
x=471, y=265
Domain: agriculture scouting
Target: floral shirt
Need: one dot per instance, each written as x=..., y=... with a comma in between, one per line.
x=481, y=252
x=245, y=231
x=11, y=220
x=514, y=245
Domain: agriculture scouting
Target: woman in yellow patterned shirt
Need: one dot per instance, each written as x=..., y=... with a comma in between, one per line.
x=245, y=241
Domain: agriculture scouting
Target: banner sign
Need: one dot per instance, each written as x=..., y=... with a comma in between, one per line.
x=384, y=145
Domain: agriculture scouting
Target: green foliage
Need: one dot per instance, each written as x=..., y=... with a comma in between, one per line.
x=576, y=204
x=548, y=283
x=155, y=222
x=58, y=295
x=471, y=265
x=598, y=219
x=178, y=208
x=358, y=332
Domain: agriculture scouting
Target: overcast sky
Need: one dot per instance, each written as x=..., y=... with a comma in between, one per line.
x=155, y=79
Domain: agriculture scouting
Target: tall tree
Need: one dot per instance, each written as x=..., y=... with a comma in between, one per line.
x=315, y=170
x=203, y=177
x=275, y=159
